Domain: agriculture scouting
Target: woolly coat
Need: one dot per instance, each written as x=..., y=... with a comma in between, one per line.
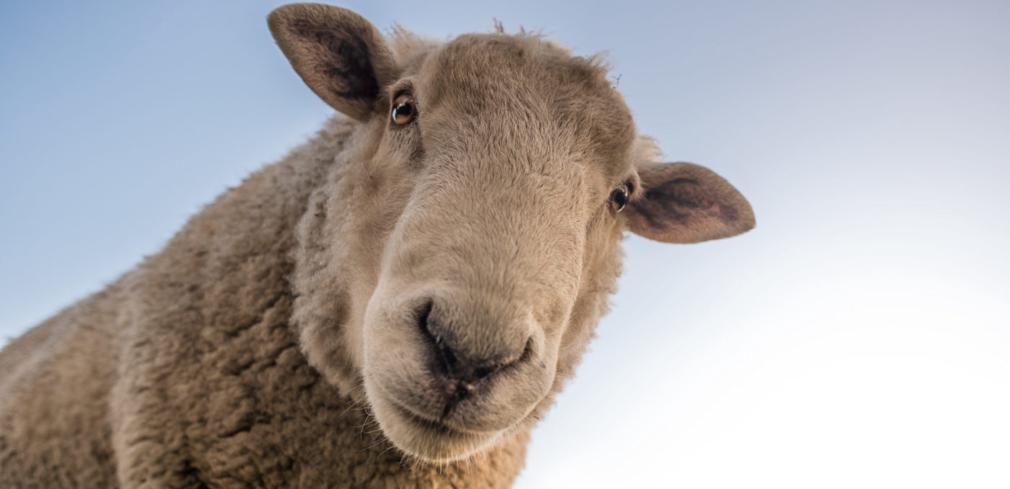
x=187, y=371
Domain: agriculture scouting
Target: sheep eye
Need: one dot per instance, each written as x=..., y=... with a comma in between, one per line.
x=619, y=197
x=404, y=110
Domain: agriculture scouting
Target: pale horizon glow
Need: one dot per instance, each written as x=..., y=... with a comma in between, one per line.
x=858, y=337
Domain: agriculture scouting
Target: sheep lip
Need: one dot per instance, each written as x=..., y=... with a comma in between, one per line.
x=433, y=424
x=420, y=420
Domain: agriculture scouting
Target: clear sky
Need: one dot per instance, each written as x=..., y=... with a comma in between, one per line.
x=859, y=337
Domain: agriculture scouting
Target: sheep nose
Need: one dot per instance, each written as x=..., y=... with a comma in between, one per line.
x=460, y=368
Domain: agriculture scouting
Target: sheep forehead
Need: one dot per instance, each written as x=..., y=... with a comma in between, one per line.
x=532, y=84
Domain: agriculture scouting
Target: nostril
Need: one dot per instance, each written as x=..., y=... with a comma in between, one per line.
x=423, y=313
x=431, y=331
x=472, y=374
x=482, y=372
x=460, y=370
x=527, y=351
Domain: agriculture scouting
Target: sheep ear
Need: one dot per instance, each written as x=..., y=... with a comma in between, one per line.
x=339, y=55
x=686, y=203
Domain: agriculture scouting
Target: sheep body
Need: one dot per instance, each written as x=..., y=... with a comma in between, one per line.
x=187, y=370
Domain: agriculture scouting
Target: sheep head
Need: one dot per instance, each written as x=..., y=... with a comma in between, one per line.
x=454, y=269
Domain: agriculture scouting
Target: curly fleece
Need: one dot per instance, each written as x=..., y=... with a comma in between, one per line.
x=187, y=372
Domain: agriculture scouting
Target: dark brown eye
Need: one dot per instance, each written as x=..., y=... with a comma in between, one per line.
x=619, y=197
x=404, y=110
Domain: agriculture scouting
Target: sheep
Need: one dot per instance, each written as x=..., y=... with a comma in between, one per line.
x=395, y=303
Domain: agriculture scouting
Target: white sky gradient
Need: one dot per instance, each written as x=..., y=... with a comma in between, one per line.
x=859, y=337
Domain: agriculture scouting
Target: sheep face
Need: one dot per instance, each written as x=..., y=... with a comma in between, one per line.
x=479, y=222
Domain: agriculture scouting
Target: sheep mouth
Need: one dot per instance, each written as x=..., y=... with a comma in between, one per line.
x=428, y=424
x=426, y=439
x=437, y=426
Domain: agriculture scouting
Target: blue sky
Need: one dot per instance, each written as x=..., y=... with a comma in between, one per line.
x=860, y=336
